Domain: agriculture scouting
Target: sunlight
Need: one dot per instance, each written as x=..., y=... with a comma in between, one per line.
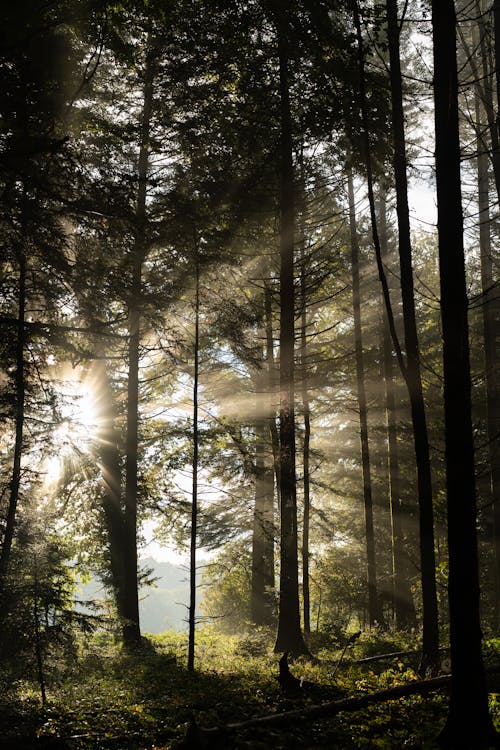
x=73, y=436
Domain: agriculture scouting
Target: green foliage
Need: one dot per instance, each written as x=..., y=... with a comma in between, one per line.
x=108, y=699
x=227, y=581
x=39, y=618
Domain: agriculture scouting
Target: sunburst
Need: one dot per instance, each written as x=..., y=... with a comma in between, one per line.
x=76, y=428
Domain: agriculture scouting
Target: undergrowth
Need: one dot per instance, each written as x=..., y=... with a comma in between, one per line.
x=107, y=699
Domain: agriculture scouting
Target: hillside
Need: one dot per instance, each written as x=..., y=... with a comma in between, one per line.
x=163, y=605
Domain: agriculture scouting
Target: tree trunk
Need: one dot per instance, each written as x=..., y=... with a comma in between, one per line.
x=371, y=570
x=468, y=724
x=306, y=518
x=490, y=352
x=273, y=386
x=487, y=87
x=37, y=635
x=262, y=588
x=15, y=481
x=430, y=646
x=289, y=636
x=262, y=591
x=108, y=446
x=131, y=628
x=305, y=460
x=404, y=608
x=194, y=497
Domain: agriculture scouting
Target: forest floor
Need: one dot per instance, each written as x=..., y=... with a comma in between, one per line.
x=100, y=698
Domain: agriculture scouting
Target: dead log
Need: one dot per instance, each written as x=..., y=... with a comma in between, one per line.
x=200, y=737
x=393, y=655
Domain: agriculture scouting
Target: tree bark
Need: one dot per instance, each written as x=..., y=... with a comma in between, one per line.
x=289, y=636
x=273, y=386
x=468, y=724
x=404, y=608
x=131, y=627
x=430, y=646
x=371, y=569
x=194, y=495
x=20, y=388
x=491, y=364
x=305, y=467
x=108, y=446
x=262, y=587
x=492, y=117
x=306, y=408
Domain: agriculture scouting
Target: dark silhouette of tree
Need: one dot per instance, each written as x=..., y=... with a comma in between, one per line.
x=412, y=374
x=194, y=467
x=469, y=724
x=374, y=615
x=410, y=367
x=403, y=605
x=289, y=636
x=20, y=388
x=262, y=587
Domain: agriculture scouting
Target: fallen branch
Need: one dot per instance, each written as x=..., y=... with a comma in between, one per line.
x=393, y=655
x=331, y=708
x=200, y=737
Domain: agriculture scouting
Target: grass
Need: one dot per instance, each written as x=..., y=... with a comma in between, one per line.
x=106, y=699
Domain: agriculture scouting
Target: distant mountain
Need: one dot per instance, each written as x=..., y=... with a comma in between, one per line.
x=164, y=605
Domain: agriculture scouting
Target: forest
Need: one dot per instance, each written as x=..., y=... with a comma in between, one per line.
x=250, y=312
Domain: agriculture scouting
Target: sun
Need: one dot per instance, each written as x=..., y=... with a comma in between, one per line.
x=74, y=432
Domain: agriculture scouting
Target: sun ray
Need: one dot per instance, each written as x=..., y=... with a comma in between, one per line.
x=76, y=424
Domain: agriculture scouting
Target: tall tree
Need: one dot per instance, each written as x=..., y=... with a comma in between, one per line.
x=35, y=179
x=194, y=494
x=131, y=631
x=490, y=309
x=404, y=608
x=430, y=639
x=289, y=636
x=306, y=448
x=469, y=724
x=20, y=389
x=262, y=591
x=412, y=370
x=371, y=569
x=489, y=336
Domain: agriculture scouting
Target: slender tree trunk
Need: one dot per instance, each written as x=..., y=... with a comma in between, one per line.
x=306, y=519
x=468, y=724
x=305, y=456
x=485, y=82
x=430, y=646
x=404, y=608
x=262, y=588
x=289, y=636
x=108, y=446
x=131, y=628
x=38, y=641
x=371, y=569
x=194, y=496
x=20, y=375
x=496, y=25
x=273, y=386
x=492, y=117
x=490, y=352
